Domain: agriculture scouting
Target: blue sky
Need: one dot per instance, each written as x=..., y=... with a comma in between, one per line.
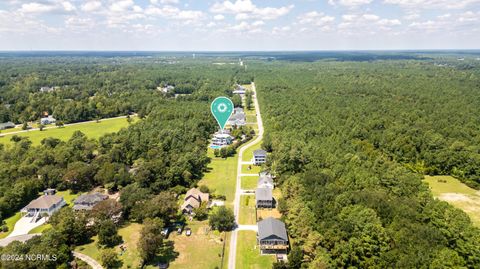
x=239, y=24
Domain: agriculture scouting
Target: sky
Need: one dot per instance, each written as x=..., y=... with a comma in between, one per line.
x=239, y=25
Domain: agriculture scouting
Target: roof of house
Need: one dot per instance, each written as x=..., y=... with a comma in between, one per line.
x=263, y=194
x=259, y=152
x=237, y=116
x=91, y=198
x=44, y=201
x=272, y=226
x=265, y=178
x=238, y=110
x=194, y=198
x=7, y=124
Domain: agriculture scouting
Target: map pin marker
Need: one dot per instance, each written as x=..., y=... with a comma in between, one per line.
x=222, y=109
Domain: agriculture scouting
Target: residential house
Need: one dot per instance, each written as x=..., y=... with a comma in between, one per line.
x=265, y=181
x=238, y=117
x=166, y=89
x=239, y=89
x=47, y=89
x=47, y=203
x=259, y=157
x=7, y=125
x=88, y=201
x=221, y=139
x=193, y=199
x=47, y=120
x=264, y=198
x=272, y=236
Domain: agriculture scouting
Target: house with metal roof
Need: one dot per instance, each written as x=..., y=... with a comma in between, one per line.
x=88, y=201
x=259, y=157
x=7, y=125
x=272, y=236
x=265, y=180
x=264, y=198
x=238, y=117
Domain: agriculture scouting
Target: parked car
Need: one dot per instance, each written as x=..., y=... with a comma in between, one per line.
x=179, y=230
x=188, y=231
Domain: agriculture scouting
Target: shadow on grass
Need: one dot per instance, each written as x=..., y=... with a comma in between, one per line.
x=166, y=256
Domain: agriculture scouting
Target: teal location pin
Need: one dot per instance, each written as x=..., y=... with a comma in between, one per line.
x=222, y=109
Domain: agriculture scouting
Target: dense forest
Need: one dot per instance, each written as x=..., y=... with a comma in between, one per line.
x=150, y=162
x=350, y=143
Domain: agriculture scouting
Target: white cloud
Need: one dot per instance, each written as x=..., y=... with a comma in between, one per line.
x=258, y=23
x=91, y=6
x=250, y=10
x=358, y=24
x=315, y=18
x=219, y=17
x=165, y=2
x=46, y=7
x=121, y=6
x=432, y=4
x=349, y=3
x=172, y=12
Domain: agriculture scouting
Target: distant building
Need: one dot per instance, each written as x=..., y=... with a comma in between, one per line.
x=47, y=203
x=221, y=140
x=88, y=201
x=272, y=236
x=47, y=89
x=47, y=120
x=239, y=89
x=7, y=125
x=238, y=117
x=193, y=199
x=259, y=157
x=265, y=181
x=166, y=89
x=264, y=198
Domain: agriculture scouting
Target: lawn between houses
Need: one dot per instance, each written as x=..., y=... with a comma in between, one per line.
x=91, y=129
x=451, y=190
x=248, y=253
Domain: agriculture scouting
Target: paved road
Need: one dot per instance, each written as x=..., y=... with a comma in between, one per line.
x=238, y=191
x=51, y=127
x=90, y=261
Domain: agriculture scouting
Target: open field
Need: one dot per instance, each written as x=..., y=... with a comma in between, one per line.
x=90, y=129
x=249, y=183
x=130, y=258
x=221, y=176
x=248, y=256
x=451, y=190
x=247, y=210
x=248, y=153
x=254, y=169
x=201, y=250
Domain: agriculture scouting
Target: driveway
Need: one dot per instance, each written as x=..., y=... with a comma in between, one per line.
x=89, y=260
x=24, y=225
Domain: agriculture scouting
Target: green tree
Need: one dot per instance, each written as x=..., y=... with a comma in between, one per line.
x=107, y=234
x=222, y=219
x=109, y=258
x=151, y=240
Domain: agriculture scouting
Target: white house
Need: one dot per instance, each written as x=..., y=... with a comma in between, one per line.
x=47, y=203
x=265, y=180
x=259, y=157
x=47, y=120
x=221, y=139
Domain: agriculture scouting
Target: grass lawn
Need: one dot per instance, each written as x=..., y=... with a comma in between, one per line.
x=68, y=196
x=248, y=153
x=249, y=183
x=9, y=130
x=201, y=250
x=248, y=254
x=251, y=117
x=40, y=229
x=453, y=191
x=90, y=129
x=247, y=210
x=130, y=234
x=10, y=222
x=255, y=169
x=221, y=176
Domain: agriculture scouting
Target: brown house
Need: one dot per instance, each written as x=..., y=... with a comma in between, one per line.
x=193, y=199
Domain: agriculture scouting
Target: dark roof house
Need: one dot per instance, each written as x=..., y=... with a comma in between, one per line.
x=264, y=198
x=272, y=236
x=259, y=156
x=88, y=201
x=7, y=125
